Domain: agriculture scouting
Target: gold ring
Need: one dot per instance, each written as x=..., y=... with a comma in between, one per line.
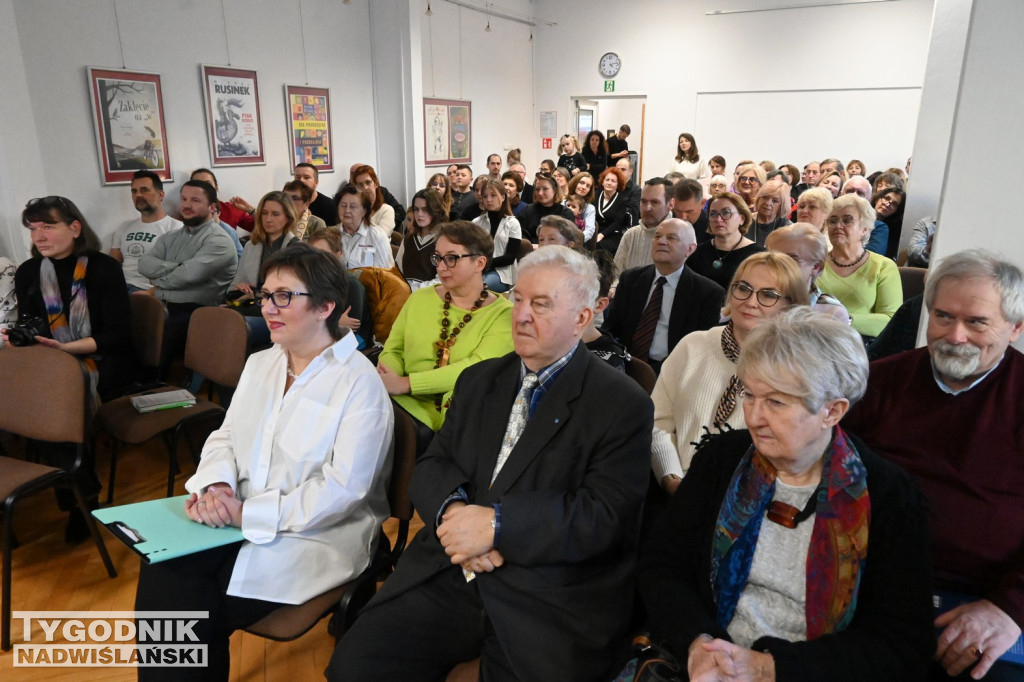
x=976, y=652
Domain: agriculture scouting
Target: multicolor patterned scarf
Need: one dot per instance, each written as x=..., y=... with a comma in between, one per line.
x=74, y=325
x=727, y=403
x=839, y=539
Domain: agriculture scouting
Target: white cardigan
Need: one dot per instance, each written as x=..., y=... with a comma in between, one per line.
x=508, y=228
x=311, y=467
x=692, y=380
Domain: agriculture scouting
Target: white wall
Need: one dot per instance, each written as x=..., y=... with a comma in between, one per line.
x=172, y=37
x=21, y=168
x=493, y=70
x=671, y=51
x=987, y=135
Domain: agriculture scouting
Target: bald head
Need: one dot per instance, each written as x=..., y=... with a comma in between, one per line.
x=858, y=185
x=674, y=241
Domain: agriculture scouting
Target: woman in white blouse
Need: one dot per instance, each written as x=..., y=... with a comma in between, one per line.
x=296, y=465
x=687, y=159
x=382, y=216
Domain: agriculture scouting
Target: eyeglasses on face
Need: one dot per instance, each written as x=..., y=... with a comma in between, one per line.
x=741, y=291
x=724, y=214
x=748, y=178
x=280, y=299
x=449, y=259
x=846, y=220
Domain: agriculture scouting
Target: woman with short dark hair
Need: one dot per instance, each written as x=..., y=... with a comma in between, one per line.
x=294, y=466
x=445, y=328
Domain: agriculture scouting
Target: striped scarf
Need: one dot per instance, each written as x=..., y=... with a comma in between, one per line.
x=727, y=404
x=75, y=324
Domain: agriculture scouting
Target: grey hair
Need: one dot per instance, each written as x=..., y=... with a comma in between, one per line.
x=820, y=195
x=864, y=212
x=808, y=356
x=804, y=233
x=1006, y=277
x=583, y=280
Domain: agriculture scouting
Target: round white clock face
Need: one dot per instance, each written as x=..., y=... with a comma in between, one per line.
x=610, y=65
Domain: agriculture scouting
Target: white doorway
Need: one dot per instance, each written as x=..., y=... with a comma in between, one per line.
x=606, y=113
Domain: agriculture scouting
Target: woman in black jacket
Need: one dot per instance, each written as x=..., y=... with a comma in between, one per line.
x=613, y=214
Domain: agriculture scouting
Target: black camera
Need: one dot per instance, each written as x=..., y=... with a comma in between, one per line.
x=25, y=332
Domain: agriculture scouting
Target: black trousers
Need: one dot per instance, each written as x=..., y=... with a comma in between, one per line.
x=421, y=635
x=999, y=672
x=199, y=582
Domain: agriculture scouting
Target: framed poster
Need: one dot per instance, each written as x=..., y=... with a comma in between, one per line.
x=448, y=131
x=308, y=111
x=233, y=116
x=128, y=109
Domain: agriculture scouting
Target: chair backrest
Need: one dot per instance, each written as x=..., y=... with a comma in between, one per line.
x=525, y=248
x=912, y=280
x=401, y=473
x=43, y=394
x=148, y=319
x=640, y=372
x=217, y=345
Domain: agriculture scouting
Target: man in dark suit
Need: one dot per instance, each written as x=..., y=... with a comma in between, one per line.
x=656, y=305
x=531, y=493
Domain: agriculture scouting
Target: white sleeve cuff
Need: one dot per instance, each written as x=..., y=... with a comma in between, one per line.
x=664, y=458
x=259, y=517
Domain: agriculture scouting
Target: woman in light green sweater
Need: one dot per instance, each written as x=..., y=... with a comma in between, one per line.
x=444, y=329
x=866, y=283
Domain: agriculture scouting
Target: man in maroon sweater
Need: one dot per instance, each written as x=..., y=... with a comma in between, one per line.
x=952, y=414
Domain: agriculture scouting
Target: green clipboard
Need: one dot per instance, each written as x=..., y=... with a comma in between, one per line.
x=158, y=530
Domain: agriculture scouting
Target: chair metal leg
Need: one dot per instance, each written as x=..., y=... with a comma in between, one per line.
x=114, y=447
x=173, y=455
x=93, y=530
x=5, y=644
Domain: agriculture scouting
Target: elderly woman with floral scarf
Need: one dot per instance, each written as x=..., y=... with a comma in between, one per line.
x=790, y=551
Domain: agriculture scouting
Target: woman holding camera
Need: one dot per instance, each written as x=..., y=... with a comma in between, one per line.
x=72, y=297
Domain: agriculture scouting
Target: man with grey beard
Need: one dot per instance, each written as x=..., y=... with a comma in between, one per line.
x=952, y=415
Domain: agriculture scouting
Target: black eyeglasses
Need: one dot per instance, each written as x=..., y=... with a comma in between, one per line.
x=450, y=259
x=280, y=299
x=766, y=297
x=724, y=214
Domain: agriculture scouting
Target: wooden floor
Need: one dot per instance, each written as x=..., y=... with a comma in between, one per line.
x=50, y=575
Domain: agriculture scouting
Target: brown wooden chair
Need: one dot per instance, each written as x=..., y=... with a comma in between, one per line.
x=291, y=622
x=149, y=317
x=217, y=346
x=44, y=399
x=912, y=280
x=640, y=372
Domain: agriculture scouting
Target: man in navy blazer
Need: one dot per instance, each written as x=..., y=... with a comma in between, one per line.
x=528, y=552
x=690, y=302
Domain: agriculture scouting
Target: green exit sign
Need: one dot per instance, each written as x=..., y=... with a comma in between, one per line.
x=609, y=86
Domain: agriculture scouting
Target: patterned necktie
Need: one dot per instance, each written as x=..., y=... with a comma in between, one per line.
x=516, y=421
x=644, y=334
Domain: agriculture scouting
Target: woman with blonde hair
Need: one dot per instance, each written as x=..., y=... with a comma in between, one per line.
x=697, y=387
x=749, y=178
x=867, y=283
x=813, y=207
x=274, y=227
x=771, y=206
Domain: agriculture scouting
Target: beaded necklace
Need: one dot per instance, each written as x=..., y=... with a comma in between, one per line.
x=447, y=340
